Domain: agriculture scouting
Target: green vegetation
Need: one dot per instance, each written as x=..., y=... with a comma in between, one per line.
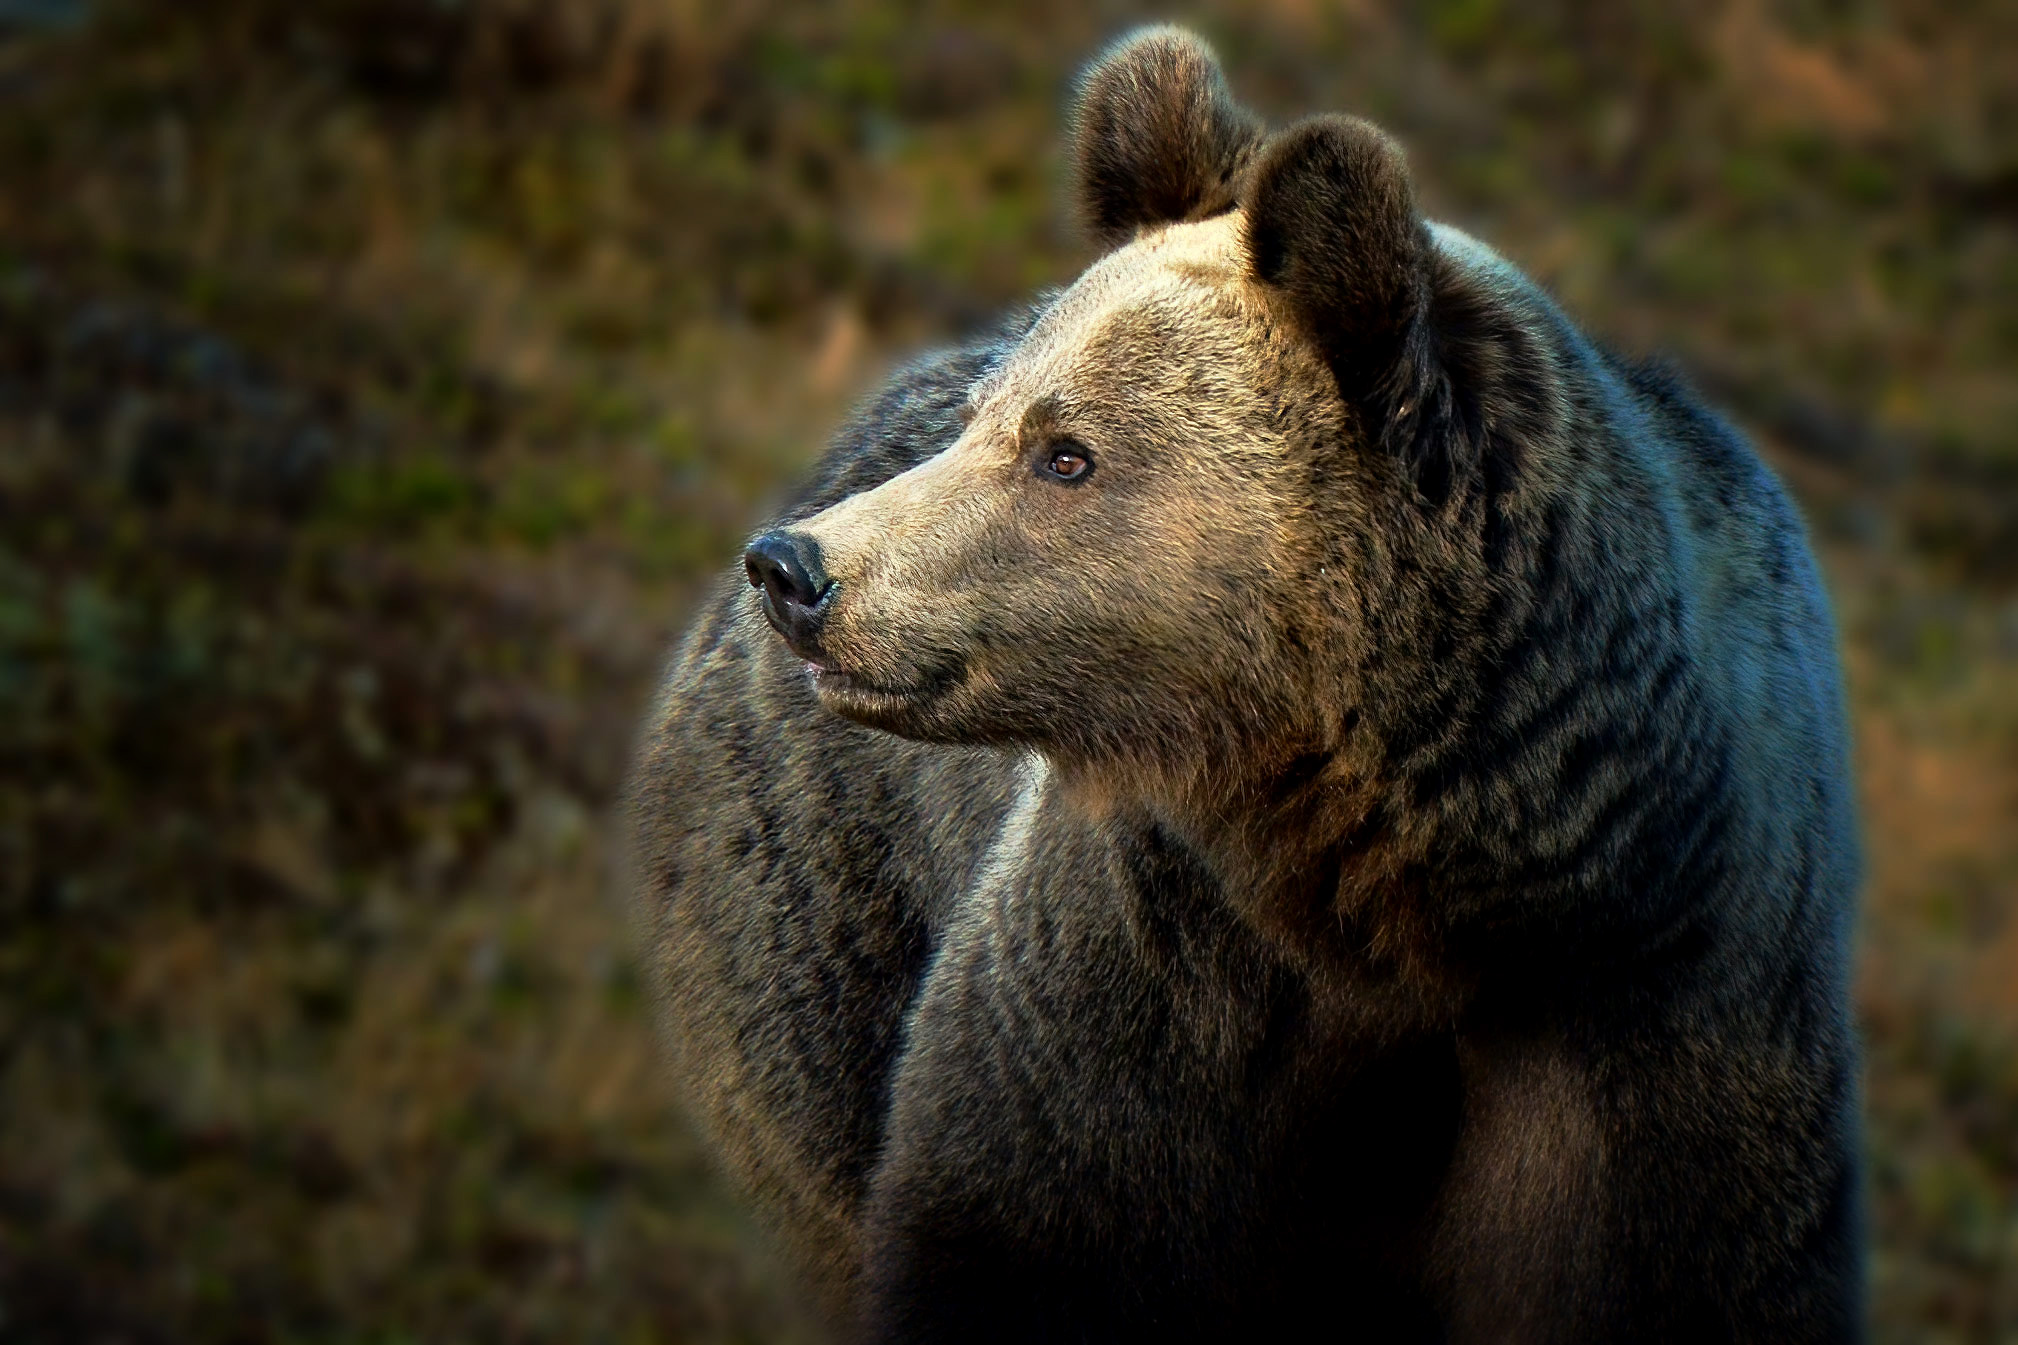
x=379, y=383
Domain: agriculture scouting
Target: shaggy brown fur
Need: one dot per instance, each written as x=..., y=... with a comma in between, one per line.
x=1300, y=785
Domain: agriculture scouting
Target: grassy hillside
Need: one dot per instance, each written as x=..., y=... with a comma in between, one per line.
x=379, y=381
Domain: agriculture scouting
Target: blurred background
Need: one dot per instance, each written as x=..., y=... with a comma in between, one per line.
x=379, y=380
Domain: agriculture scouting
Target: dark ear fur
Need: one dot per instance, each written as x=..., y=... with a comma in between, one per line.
x=1156, y=136
x=1332, y=224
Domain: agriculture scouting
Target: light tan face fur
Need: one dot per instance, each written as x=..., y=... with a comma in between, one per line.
x=978, y=599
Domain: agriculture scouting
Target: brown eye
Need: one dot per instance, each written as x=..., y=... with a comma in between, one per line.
x=1067, y=461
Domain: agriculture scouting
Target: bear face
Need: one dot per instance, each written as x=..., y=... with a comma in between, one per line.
x=1148, y=533
x=1116, y=550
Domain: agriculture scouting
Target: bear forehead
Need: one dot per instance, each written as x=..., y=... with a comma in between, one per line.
x=1183, y=288
x=1208, y=255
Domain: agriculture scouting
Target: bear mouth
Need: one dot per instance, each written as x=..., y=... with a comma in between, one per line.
x=847, y=691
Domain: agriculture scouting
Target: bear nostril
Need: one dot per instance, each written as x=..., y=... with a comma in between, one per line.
x=787, y=567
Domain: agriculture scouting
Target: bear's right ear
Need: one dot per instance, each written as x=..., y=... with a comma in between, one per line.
x=1156, y=137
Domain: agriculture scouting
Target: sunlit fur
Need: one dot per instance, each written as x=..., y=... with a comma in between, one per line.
x=1379, y=845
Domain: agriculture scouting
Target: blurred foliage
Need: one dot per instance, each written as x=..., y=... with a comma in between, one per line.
x=379, y=380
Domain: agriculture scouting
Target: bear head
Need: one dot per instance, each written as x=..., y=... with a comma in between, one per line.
x=1165, y=533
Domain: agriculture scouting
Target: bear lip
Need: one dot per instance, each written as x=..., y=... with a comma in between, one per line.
x=828, y=676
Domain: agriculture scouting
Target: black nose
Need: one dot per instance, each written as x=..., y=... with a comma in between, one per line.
x=787, y=567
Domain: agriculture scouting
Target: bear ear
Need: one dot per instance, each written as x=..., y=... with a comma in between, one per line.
x=1332, y=226
x=1156, y=137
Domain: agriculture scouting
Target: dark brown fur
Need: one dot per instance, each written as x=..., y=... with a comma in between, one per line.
x=1157, y=137
x=1378, y=845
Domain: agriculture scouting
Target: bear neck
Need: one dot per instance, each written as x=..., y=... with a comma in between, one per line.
x=1294, y=849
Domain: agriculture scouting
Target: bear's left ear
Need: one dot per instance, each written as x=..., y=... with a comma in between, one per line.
x=1332, y=226
x=1156, y=137
x=1431, y=361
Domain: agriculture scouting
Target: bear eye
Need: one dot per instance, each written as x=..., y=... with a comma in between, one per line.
x=1067, y=460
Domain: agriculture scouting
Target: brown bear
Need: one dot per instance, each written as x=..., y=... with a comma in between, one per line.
x=1282, y=785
